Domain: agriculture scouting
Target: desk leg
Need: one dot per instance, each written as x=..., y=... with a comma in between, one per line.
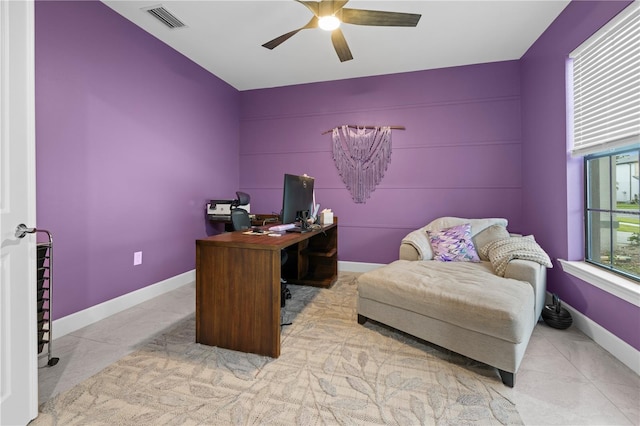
x=238, y=299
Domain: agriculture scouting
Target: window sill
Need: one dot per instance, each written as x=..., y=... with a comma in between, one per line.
x=614, y=284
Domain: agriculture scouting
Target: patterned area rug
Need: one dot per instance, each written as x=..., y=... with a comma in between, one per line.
x=331, y=371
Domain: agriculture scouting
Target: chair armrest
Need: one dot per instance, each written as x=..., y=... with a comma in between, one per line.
x=533, y=273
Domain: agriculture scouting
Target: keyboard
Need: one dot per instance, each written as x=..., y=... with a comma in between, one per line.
x=279, y=228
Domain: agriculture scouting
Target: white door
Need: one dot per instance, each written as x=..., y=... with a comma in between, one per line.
x=18, y=341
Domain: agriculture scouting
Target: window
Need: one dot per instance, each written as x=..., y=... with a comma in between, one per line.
x=613, y=211
x=606, y=115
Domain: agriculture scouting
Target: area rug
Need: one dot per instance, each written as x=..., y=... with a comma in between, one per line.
x=331, y=371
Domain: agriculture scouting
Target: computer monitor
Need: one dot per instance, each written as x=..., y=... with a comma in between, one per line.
x=297, y=197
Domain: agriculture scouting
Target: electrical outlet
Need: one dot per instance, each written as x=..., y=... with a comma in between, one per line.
x=137, y=258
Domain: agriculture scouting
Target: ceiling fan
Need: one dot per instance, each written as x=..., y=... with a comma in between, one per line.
x=328, y=14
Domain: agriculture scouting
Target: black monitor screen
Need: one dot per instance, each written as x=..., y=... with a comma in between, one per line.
x=297, y=195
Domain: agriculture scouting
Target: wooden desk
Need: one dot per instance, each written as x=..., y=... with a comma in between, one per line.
x=238, y=284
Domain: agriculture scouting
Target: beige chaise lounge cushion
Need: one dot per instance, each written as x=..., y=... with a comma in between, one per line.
x=465, y=294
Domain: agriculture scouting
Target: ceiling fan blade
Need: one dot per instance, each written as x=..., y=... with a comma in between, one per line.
x=334, y=6
x=313, y=23
x=380, y=18
x=313, y=6
x=324, y=7
x=340, y=44
x=339, y=4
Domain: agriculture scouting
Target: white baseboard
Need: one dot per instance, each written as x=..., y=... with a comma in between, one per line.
x=76, y=321
x=620, y=349
x=357, y=266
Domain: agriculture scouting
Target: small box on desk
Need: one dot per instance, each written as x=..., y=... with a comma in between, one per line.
x=326, y=217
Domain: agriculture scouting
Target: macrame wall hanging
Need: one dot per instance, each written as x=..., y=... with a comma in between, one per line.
x=361, y=155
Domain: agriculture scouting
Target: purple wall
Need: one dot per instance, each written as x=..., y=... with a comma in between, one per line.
x=552, y=182
x=460, y=154
x=132, y=139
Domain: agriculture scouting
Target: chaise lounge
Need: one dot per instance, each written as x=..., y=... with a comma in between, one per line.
x=484, y=308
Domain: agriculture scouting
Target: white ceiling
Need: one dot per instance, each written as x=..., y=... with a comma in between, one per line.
x=226, y=37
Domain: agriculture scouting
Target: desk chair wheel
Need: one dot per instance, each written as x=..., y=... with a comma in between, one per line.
x=284, y=294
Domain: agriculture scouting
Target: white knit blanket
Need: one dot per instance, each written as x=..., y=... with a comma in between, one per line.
x=501, y=252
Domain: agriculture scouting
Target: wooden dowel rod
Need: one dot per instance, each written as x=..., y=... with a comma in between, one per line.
x=354, y=126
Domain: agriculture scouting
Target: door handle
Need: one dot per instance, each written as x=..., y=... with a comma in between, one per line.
x=22, y=230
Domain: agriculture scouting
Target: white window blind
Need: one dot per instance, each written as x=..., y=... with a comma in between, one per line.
x=606, y=86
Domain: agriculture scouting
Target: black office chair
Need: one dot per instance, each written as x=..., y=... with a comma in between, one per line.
x=241, y=221
x=240, y=217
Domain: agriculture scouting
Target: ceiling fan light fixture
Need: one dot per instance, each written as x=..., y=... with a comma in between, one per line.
x=329, y=23
x=329, y=14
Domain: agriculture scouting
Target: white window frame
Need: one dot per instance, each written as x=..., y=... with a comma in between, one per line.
x=614, y=284
x=610, y=210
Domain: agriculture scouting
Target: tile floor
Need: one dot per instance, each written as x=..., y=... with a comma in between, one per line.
x=565, y=378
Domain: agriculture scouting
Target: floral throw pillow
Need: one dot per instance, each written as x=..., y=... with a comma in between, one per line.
x=453, y=244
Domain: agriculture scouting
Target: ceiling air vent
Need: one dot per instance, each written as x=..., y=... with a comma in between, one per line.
x=166, y=17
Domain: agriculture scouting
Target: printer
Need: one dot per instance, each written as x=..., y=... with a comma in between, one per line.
x=221, y=209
